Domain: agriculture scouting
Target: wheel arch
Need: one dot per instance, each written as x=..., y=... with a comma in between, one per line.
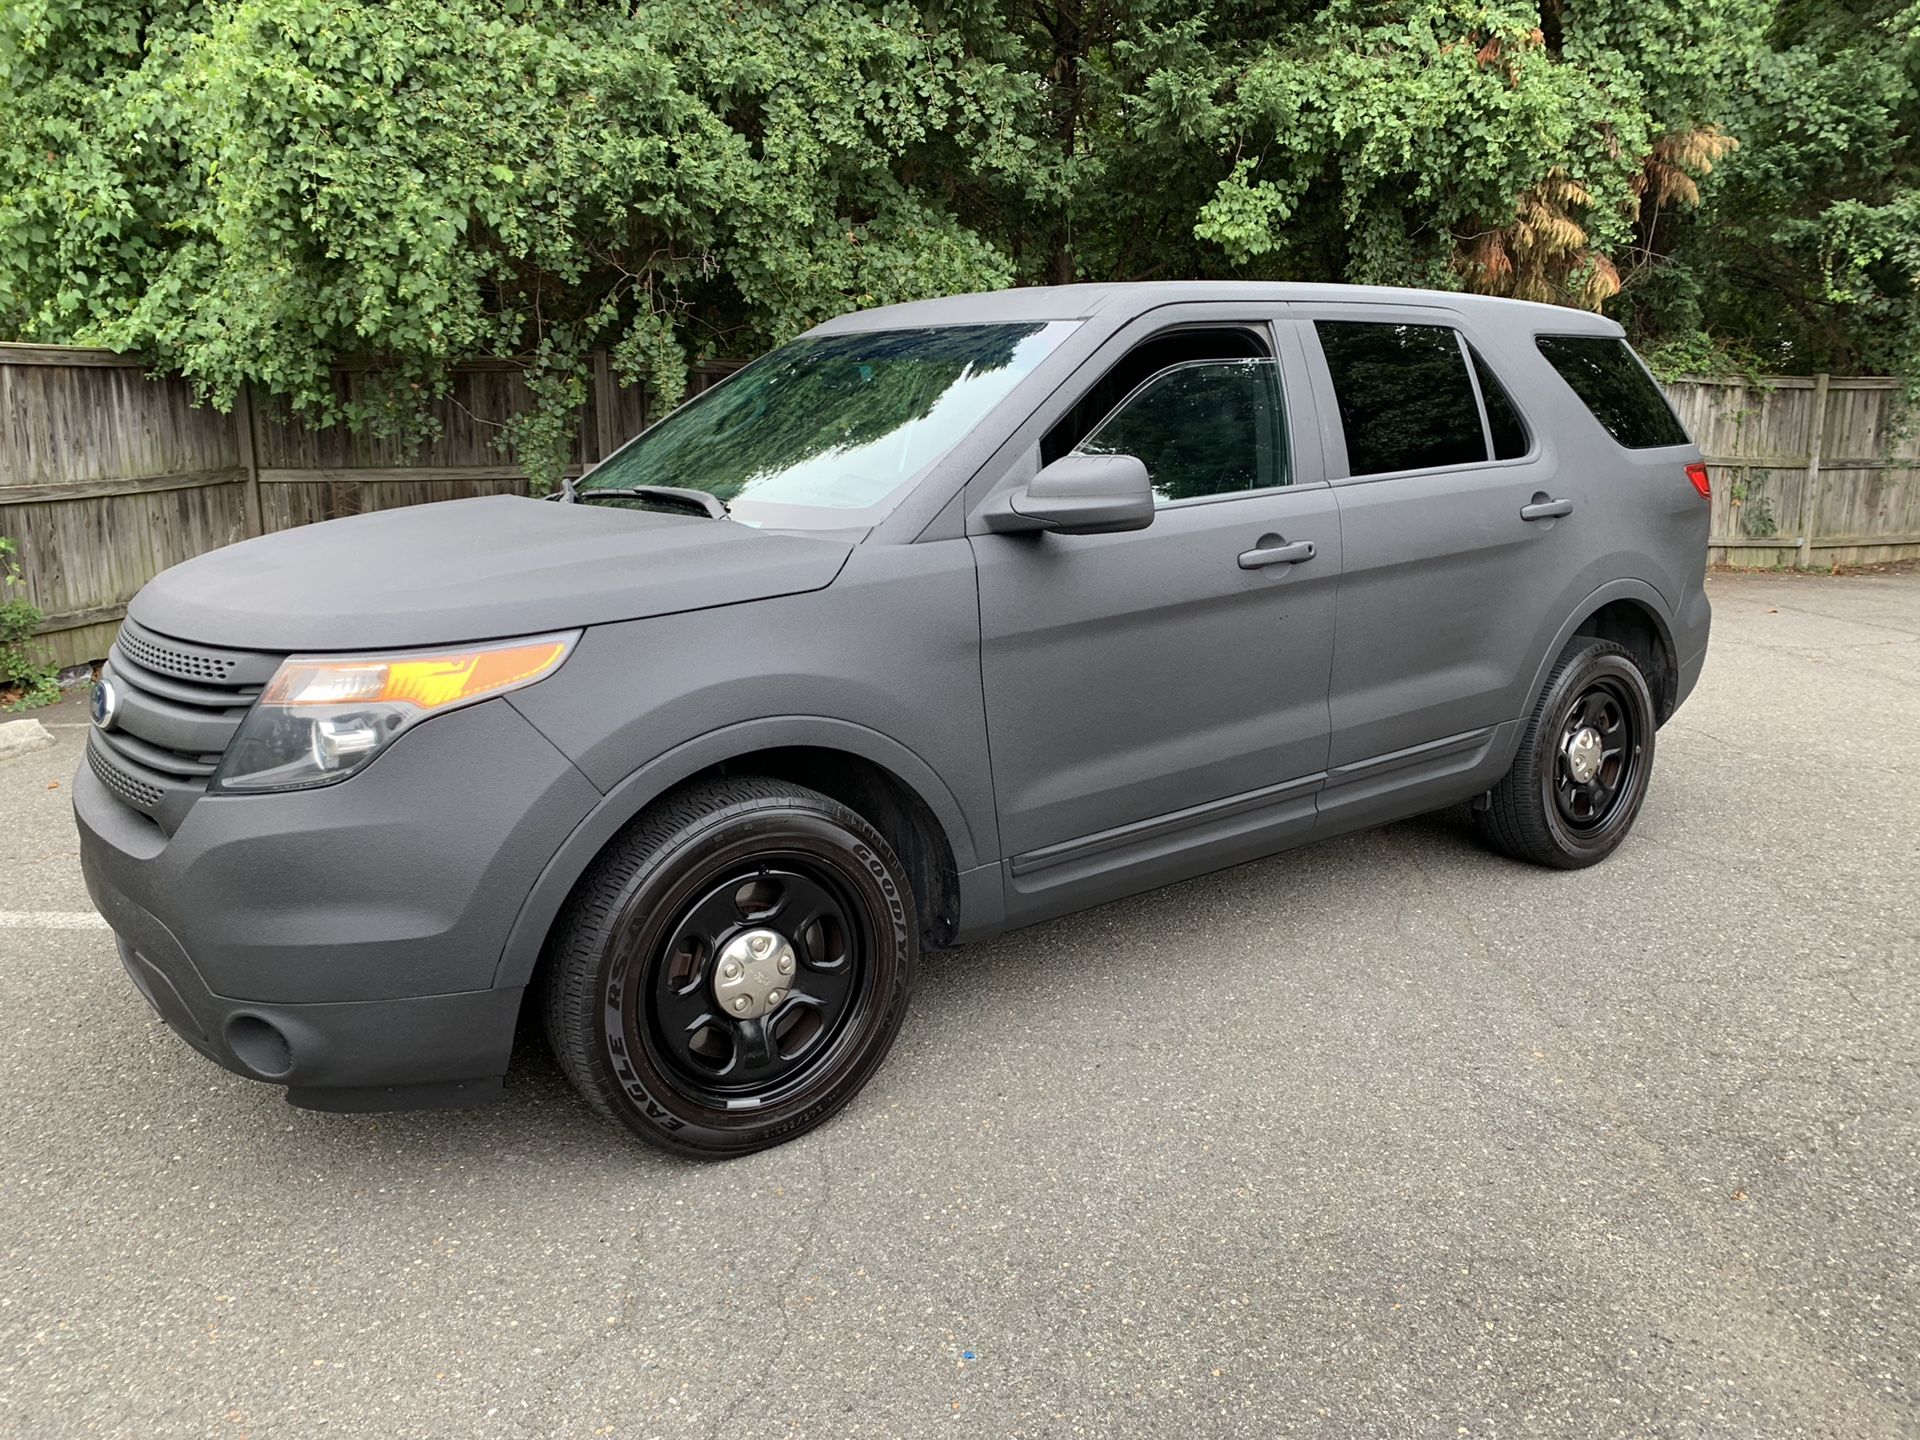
x=1630, y=613
x=893, y=788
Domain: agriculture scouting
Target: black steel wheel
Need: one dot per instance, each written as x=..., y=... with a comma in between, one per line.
x=734, y=968
x=1585, y=756
x=763, y=970
x=1600, y=749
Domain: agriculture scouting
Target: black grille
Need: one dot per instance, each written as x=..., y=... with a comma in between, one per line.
x=179, y=704
x=136, y=793
x=181, y=664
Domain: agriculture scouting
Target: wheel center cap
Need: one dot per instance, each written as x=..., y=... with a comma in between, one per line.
x=753, y=974
x=1584, y=755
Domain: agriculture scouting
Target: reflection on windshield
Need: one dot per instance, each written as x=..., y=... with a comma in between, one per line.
x=839, y=422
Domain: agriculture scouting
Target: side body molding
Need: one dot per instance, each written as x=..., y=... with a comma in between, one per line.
x=981, y=898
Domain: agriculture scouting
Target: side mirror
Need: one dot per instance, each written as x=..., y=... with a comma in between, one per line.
x=1078, y=495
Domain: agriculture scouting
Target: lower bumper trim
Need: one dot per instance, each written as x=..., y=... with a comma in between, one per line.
x=422, y=1052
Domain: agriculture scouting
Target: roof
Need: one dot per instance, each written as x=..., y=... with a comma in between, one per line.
x=1077, y=302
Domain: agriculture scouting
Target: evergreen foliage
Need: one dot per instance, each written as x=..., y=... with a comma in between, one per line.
x=253, y=190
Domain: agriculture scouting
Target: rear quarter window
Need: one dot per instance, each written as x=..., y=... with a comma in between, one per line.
x=1615, y=387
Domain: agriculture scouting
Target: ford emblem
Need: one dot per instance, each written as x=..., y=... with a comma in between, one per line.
x=106, y=704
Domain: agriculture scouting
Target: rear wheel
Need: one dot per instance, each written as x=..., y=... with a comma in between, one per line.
x=1584, y=760
x=734, y=968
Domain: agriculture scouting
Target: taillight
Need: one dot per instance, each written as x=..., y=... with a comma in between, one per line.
x=1697, y=473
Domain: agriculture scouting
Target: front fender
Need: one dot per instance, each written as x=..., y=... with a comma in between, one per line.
x=624, y=801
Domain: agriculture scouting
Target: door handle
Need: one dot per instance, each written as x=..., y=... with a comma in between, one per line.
x=1544, y=509
x=1277, y=553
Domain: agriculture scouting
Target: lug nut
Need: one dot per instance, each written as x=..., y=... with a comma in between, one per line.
x=775, y=996
x=758, y=944
x=740, y=1002
x=730, y=970
x=786, y=964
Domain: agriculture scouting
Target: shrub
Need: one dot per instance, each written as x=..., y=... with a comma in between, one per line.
x=25, y=681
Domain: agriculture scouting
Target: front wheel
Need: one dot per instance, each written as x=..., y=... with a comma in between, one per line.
x=1584, y=760
x=734, y=968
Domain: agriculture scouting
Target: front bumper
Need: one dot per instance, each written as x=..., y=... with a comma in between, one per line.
x=429, y=1052
x=343, y=941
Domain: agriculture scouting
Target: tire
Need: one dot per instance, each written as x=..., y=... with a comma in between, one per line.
x=1543, y=811
x=794, y=896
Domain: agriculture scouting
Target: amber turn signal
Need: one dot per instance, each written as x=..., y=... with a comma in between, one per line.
x=425, y=681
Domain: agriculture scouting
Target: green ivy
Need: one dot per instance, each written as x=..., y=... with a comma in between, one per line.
x=30, y=680
x=259, y=190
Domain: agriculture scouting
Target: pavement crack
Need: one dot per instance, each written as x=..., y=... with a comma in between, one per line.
x=723, y=1425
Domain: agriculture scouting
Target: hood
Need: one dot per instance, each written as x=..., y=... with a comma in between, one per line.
x=474, y=570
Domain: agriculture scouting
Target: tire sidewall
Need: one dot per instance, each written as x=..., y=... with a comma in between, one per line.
x=643, y=1095
x=1585, y=847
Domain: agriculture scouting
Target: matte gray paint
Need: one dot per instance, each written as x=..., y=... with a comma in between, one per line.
x=401, y=881
x=344, y=1054
x=1079, y=495
x=1132, y=675
x=891, y=647
x=981, y=900
x=1084, y=716
x=473, y=570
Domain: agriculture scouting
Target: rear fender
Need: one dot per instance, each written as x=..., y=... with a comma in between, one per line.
x=1649, y=599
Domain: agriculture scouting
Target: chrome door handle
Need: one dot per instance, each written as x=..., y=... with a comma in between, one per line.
x=1294, y=554
x=1545, y=509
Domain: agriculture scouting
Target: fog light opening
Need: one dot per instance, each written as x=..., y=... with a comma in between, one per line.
x=260, y=1046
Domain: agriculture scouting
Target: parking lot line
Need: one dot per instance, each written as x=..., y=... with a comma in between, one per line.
x=50, y=920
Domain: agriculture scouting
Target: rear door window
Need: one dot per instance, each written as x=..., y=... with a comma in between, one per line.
x=1615, y=387
x=1406, y=400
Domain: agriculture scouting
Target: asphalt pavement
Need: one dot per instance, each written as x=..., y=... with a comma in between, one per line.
x=1386, y=1137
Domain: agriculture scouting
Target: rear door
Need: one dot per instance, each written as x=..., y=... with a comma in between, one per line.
x=1458, y=542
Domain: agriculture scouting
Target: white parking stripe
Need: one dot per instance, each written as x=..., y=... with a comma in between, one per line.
x=51, y=920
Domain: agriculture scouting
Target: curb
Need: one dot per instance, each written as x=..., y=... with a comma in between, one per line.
x=23, y=737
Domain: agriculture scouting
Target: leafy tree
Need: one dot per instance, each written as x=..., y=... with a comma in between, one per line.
x=253, y=190
x=1805, y=254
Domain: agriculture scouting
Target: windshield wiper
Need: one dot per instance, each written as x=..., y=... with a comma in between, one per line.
x=700, y=501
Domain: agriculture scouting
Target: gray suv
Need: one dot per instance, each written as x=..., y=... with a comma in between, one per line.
x=945, y=618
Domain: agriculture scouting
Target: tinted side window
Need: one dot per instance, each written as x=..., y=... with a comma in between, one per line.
x=1405, y=400
x=1503, y=419
x=1612, y=384
x=1145, y=360
x=1208, y=427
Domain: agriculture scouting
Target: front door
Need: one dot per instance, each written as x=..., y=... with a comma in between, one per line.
x=1157, y=701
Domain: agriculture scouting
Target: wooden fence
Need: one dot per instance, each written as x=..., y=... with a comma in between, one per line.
x=108, y=476
x=1807, y=471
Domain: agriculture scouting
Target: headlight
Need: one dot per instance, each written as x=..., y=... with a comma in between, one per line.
x=322, y=717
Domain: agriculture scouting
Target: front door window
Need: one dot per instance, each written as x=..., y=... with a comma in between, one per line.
x=1202, y=428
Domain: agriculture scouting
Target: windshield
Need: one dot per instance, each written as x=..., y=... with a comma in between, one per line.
x=827, y=432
